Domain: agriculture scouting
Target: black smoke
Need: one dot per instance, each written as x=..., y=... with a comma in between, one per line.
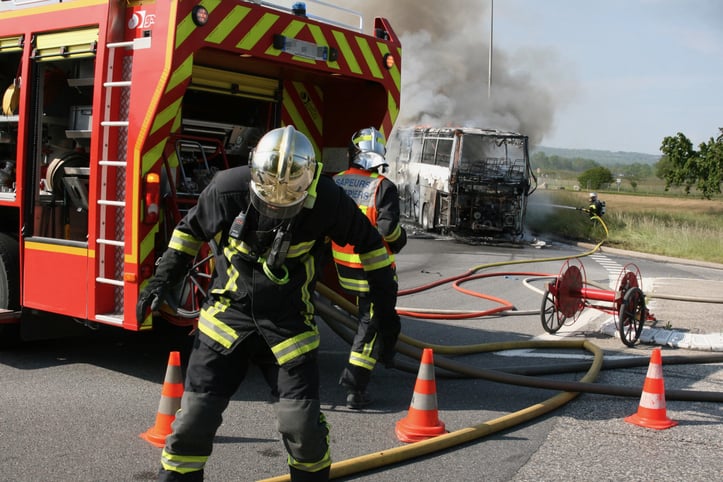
x=445, y=69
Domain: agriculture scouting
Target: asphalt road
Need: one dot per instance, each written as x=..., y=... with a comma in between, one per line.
x=73, y=409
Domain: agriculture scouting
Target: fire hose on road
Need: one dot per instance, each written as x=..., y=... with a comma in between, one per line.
x=340, y=320
x=339, y=313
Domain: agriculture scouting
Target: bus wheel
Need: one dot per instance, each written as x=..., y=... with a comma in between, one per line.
x=9, y=288
x=415, y=204
x=426, y=224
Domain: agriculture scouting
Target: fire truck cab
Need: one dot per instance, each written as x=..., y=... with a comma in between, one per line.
x=116, y=114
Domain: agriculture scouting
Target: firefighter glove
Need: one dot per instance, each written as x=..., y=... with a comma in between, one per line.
x=170, y=268
x=397, y=245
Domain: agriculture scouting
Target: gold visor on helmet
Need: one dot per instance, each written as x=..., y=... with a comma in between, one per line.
x=282, y=169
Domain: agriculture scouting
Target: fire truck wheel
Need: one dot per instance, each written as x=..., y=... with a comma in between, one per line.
x=9, y=292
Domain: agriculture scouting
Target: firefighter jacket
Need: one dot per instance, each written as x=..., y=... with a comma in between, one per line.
x=378, y=198
x=246, y=295
x=595, y=208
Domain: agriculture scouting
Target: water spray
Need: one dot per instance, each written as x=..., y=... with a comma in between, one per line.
x=560, y=206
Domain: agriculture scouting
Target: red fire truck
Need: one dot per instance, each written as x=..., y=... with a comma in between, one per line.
x=116, y=113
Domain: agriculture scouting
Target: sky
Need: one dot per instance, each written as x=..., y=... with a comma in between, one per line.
x=639, y=70
x=617, y=75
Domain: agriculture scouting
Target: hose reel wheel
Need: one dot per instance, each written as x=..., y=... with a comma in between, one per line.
x=632, y=316
x=569, y=289
x=629, y=277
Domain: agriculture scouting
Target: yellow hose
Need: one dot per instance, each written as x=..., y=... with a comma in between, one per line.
x=397, y=454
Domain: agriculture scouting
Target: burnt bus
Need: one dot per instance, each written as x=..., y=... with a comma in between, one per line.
x=465, y=181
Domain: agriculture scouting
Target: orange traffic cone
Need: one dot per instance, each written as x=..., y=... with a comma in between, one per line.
x=170, y=402
x=651, y=411
x=422, y=421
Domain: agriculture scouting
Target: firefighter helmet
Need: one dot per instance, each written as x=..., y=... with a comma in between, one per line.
x=367, y=149
x=593, y=196
x=282, y=169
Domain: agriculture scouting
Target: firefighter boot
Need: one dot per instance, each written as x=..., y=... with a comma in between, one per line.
x=355, y=379
x=171, y=476
x=301, y=476
x=356, y=400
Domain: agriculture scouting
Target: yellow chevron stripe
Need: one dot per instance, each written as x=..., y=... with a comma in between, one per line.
x=371, y=60
x=180, y=74
x=298, y=121
x=166, y=115
x=210, y=5
x=296, y=118
x=177, y=121
x=173, y=160
x=184, y=30
x=320, y=39
x=143, y=130
x=227, y=25
x=254, y=34
x=186, y=26
x=152, y=155
x=148, y=245
x=315, y=116
x=293, y=28
x=394, y=71
x=290, y=31
x=393, y=110
x=346, y=52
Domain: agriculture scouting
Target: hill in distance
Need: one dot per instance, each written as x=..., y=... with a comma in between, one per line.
x=605, y=158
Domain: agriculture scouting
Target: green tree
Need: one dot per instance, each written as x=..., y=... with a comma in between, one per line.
x=663, y=167
x=688, y=167
x=595, y=178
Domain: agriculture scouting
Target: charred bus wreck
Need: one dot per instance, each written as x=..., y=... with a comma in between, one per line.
x=465, y=181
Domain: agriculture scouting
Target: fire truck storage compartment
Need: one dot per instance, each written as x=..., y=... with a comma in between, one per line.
x=80, y=118
x=9, y=95
x=62, y=138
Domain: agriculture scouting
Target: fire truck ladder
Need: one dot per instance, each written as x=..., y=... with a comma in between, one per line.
x=111, y=196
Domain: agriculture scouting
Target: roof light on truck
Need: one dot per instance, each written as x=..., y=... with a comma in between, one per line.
x=199, y=15
x=388, y=61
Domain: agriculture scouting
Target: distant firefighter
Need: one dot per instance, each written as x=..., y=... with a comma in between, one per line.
x=595, y=206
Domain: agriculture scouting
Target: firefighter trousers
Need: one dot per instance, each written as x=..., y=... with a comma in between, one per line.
x=364, y=349
x=211, y=380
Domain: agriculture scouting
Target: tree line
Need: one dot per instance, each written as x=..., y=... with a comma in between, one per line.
x=681, y=165
x=593, y=175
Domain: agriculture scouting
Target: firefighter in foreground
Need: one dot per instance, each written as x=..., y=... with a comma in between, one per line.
x=378, y=199
x=273, y=217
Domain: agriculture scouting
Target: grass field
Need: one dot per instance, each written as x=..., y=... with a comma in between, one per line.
x=680, y=226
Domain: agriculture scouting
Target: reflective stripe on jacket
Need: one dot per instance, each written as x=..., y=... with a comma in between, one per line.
x=363, y=187
x=244, y=297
